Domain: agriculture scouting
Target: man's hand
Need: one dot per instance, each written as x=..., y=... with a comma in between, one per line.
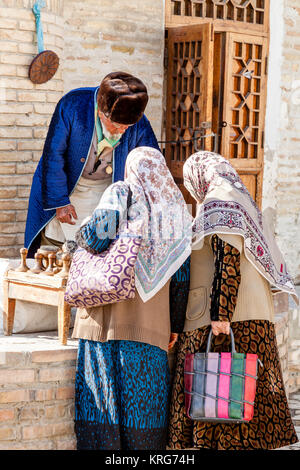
x=172, y=341
x=220, y=327
x=65, y=214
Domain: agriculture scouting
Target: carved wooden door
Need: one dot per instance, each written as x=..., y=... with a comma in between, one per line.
x=244, y=108
x=217, y=75
x=189, y=95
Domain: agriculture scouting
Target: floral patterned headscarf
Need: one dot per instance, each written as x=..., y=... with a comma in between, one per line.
x=226, y=207
x=158, y=214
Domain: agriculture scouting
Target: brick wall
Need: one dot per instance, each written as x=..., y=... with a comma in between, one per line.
x=105, y=36
x=288, y=176
x=37, y=398
x=281, y=192
x=25, y=110
x=282, y=334
x=294, y=346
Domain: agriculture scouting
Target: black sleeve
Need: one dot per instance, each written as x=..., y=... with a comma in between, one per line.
x=226, y=281
x=179, y=294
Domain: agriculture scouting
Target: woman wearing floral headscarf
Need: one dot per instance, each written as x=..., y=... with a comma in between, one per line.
x=122, y=378
x=235, y=267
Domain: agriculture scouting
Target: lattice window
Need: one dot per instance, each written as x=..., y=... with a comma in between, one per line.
x=246, y=11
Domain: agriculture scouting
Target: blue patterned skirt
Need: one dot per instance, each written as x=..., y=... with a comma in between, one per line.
x=122, y=396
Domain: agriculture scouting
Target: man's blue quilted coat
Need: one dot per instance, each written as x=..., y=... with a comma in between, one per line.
x=65, y=154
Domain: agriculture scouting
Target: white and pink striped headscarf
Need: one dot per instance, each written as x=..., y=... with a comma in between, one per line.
x=158, y=214
x=226, y=207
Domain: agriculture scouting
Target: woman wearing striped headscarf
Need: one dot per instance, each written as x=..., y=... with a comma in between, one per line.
x=236, y=266
x=122, y=379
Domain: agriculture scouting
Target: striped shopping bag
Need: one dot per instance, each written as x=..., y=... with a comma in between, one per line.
x=220, y=386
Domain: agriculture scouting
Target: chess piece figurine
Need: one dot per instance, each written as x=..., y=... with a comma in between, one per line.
x=23, y=268
x=45, y=250
x=44, y=259
x=38, y=266
x=63, y=261
x=66, y=259
x=51, y=260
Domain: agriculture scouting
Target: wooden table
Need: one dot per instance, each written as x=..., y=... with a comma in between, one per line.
x=38, y=288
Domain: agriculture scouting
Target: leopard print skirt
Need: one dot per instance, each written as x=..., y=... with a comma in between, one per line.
x=271, y=426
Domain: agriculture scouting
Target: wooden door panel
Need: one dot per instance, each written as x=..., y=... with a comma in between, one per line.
x=216, y=78
x=250, y=181
x=189, y=93
x=244, y=106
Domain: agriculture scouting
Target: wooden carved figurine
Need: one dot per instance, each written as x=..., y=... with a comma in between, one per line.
x=23, y=268
x=66, y=259
x=50, y=270
x=44, y=259
x=38, y=266
x=45, y=250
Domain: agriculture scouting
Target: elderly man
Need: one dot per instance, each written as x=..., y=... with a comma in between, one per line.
x=90, y=135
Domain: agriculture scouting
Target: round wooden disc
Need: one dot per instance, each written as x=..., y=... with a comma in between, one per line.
x=43, y=67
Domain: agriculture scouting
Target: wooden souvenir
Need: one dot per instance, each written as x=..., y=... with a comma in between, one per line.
x=43, y=67
x=45, y=64
x=66, y=259
x=39, y=287
x=38, y=266
x=23, y=268
x=51, y=260
x=45, y=250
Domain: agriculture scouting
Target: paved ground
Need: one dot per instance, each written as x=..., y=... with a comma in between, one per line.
x=49, y=341
x=294, y=403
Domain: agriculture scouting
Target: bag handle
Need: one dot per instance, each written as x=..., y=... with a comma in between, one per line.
x=233, y=350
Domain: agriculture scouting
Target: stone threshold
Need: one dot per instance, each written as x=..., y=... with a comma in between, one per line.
x=45, y=340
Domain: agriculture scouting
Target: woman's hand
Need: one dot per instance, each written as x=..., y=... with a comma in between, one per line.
x=172, y=341
x=220, y=327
